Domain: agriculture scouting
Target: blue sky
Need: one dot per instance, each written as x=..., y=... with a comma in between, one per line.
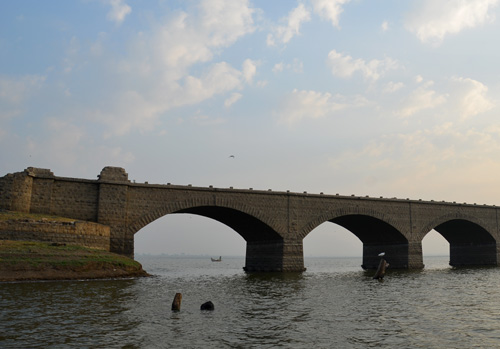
x=366, y=97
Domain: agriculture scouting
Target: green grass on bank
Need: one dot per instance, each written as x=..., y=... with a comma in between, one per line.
x=12, y=215
x=40, y=255
x=30, y=260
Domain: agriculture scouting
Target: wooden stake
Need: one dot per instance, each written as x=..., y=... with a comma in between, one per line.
x=176, y=304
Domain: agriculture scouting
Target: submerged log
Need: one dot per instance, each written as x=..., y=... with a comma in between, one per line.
x=379, y=275
x=176, y=304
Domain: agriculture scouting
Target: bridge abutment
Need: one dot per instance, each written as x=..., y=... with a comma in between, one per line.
x=274, y=256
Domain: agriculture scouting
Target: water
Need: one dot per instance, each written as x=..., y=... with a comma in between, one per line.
x=334, y=304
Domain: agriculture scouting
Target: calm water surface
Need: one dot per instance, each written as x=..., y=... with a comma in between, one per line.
x=334, y=304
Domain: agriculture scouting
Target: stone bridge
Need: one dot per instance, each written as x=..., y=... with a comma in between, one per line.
x=273, y=224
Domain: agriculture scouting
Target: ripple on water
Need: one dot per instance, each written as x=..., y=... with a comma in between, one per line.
x=333, y=304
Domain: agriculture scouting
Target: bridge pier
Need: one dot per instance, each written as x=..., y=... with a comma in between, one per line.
x=274, y=256
x=398, y=255
x=468, y=254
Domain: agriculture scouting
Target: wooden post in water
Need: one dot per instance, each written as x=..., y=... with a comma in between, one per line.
x=379, y=275
x=176, y=304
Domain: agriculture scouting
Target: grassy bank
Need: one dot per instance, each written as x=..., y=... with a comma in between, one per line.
x=23, y=260
x=13, y=215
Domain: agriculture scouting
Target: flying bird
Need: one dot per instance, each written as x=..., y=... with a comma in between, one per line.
x=231, y=156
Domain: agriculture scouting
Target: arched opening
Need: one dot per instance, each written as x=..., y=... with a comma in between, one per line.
x=470, y=244
x=263, y=248
x=377, y=236
x=188, y=235
x=435, y=250
x=331, y=245
x=332, y=240
x=183, y=244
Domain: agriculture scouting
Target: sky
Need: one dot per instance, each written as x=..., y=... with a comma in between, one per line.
x=367, y=97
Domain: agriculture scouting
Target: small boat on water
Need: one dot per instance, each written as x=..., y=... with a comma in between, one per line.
x=216, y=259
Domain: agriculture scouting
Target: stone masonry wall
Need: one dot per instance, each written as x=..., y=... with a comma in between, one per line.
x=15, y=191
x=85, y=234
x=274, y=224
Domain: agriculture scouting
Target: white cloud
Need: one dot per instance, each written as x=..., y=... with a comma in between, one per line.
x=459, y=100
x=296, y=66
x=423, y=97
x=391, y=86
x=226, y=20
x=232, y=99
x=249, y=70
x=119, y=10
x=285, y=33
x=433, y=20
x=309, y=104
x=471, y=97
x=187, y=39
x=220, y=78
x=344, y=66
x=329, y=9
x=278, y=67
x=156, y=75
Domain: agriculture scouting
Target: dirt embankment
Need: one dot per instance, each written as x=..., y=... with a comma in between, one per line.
x=23, y=260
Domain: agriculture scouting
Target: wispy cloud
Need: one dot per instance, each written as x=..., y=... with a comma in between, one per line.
x=384, y=26
x=232, y=99
x=157, y=66
x=432, y=20
x=296, y=66
x=472, y=97
x=284, y=33
x=344, y=66
x=119, y=10
x=422, y=98
x=308, y=104
x=329, y=9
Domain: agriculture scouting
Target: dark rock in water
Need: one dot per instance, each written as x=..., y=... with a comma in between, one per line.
x=207, y=306
x=176, y=304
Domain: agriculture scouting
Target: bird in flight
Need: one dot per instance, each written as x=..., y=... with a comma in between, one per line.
x=231, y=156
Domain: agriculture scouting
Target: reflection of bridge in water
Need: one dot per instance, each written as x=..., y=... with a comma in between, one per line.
x=273, y=224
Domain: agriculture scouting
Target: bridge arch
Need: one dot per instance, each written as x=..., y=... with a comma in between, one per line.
x=265, y=245
x=470, y=241
x=246, y=221
x=377, y=232
x=335, y=217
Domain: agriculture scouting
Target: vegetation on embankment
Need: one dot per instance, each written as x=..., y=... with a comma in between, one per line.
x=13, y=215
x=30, y=260
x=26, y=260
